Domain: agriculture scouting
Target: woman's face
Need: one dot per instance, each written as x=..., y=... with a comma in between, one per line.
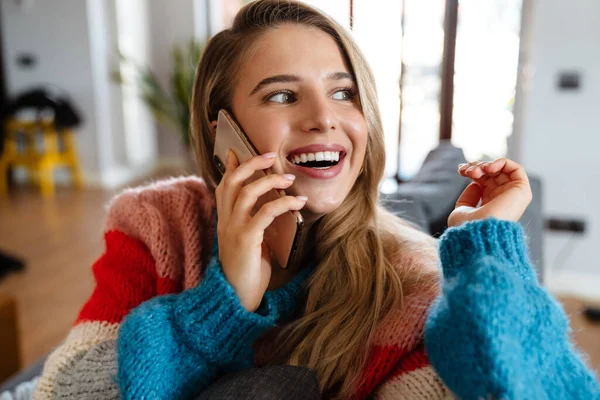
x=296, y=97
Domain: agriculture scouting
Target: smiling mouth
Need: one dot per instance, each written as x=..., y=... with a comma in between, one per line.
x=319, y=160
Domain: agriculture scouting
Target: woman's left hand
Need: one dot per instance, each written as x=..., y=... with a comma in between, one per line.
x=501, y=185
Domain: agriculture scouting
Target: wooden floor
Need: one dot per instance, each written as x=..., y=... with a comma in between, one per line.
x=60, y=238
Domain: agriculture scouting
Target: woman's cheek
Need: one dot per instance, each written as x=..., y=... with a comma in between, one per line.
x=358, y=135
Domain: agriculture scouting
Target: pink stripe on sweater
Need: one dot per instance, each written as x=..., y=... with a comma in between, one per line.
x=172, y=217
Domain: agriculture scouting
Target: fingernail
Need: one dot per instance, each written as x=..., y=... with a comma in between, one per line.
x=269, y=155
x=289, y=177
x=303, y=198
x=487, y=164
x=227, y=156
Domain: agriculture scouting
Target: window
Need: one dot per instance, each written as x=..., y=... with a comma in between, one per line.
x=423, y=41
x=487, y=57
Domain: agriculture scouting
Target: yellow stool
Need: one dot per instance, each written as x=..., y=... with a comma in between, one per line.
x=40, y=163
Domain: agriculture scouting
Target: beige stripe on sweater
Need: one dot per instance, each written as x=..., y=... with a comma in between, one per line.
x=81, y=339
x=421, y=384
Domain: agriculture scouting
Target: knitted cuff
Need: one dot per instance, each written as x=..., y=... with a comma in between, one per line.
x=285, y=300
x=213, y=321
x=466, y=244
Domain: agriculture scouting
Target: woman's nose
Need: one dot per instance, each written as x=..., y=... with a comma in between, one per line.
x=318, y=116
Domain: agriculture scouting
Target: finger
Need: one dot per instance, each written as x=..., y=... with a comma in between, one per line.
x=271, y=210
x=231, y=161
x=467, y=165
x=462, y=168
x=504, y=165
x=470, y=196
x=250, y=193
x=501, y=179
x=475, y=171
x=233, y=180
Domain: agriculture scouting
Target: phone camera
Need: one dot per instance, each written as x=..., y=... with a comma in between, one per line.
x=219, y=164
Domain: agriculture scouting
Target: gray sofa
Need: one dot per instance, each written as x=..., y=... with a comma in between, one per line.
x=426, y=200
x=430, y=196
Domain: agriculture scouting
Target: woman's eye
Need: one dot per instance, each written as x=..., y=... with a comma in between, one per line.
x=282, y=98
x=342, y=95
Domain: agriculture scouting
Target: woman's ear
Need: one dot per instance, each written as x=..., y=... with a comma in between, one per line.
x=214, y=125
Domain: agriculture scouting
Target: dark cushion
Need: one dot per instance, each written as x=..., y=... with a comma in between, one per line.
x=437, y=185
x=65, y=114
x=408, y=208
x=268, y=383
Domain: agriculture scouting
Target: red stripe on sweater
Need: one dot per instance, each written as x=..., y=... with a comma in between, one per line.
x=382, y=360
x=125, y=277
x=386, y=363
x=413, y=361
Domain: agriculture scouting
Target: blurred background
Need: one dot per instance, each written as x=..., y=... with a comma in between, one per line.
x=94, y=98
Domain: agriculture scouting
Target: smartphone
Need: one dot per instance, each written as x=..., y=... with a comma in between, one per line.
x=281, y=237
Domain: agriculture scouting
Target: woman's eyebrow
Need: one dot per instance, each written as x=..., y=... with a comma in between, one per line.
x=336, y=76
x=275, y=79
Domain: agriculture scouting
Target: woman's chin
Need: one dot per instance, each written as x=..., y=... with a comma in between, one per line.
x=315, y=208
x=321, y=201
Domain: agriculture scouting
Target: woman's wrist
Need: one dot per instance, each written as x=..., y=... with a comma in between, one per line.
x=466, y=245
x=214, y=321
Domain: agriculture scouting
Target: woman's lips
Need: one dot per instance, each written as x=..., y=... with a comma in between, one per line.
x=324, y=173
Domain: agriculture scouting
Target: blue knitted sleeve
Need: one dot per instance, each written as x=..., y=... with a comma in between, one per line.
x=494, y=331
x=172, y=346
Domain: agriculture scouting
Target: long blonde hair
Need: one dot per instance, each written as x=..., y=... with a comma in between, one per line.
x=358, y=281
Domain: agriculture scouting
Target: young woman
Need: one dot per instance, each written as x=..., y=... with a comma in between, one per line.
x=187, y=292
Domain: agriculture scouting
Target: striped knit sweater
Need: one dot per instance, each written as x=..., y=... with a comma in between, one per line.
x=162, y=321
x=158, y=242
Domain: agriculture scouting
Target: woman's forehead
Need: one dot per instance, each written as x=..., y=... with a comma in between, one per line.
x=294, y=49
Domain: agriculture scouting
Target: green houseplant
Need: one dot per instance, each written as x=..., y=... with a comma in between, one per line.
x=171, y=106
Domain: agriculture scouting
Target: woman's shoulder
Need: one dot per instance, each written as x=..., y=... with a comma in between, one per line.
x=170, y=189
x=172, y=218
x=404, y=326
x=414, y=255
x=178, y=197
x=413, y=252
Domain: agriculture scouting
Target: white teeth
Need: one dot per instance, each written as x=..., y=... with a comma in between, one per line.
x=319, y=156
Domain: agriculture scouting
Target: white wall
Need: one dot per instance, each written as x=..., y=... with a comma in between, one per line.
x=75, y=44
x=171, y=23
x=560, y=138
x=56, y=33
x=111, y=144
x=134, y=42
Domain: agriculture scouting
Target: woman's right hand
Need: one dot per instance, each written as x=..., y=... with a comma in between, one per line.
x=245, y=258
